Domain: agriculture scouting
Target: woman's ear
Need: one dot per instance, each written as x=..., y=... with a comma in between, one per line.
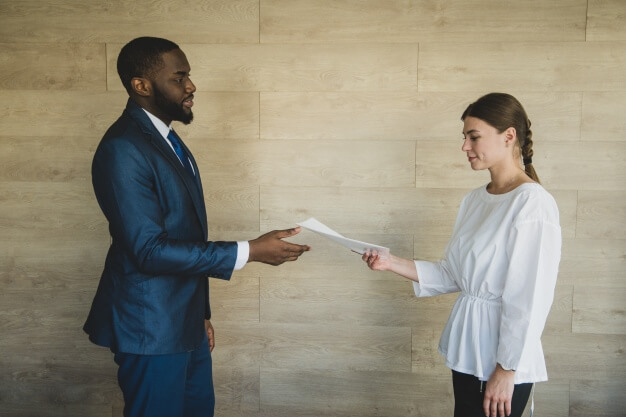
x=141, y=86
x=510, y=135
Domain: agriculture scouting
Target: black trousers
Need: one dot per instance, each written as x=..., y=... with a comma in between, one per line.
x=469, y=394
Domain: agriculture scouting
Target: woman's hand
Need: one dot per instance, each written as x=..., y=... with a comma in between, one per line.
x=499, y=392
x=210, y=333
x=389, y=262
x=376, y=262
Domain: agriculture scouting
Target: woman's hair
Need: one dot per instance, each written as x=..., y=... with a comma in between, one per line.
x=502, y=111
x=141, y=57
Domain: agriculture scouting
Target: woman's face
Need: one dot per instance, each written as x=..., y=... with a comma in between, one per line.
x=485, y=147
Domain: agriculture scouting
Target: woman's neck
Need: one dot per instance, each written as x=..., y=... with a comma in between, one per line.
x=506, y=179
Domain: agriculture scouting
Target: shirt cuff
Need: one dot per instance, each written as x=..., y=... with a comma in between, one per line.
x=243, y=253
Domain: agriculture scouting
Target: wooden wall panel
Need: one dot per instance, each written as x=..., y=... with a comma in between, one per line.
x=344, y=110
x=285, y=67
x=407, y=116
x=568, y=66
x=119, y=21
x=54, y=66
x=603, y=117
x=356, y=21
x=605, y=20
x=601, y=214
x=304, y=163
x=599, y=310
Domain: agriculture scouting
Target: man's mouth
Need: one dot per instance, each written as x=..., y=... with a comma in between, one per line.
x=188, y=102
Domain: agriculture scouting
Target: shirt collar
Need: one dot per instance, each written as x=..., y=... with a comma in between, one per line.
x=163, y=129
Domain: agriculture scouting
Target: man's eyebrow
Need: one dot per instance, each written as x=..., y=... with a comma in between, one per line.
x=181, y=72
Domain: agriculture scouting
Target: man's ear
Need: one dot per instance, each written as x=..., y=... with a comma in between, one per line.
x=141, y=86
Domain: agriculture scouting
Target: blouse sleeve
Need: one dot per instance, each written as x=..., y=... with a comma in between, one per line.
x=534, y=248
x=434, y=278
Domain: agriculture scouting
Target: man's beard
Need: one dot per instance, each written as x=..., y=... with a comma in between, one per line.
x=170, y=108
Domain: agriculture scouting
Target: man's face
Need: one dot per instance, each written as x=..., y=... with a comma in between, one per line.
x=172, y=89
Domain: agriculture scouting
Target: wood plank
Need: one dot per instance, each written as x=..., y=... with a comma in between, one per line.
x=42, y=159
x=75, y=212
x=297, y=163
x=52, y=66
x=211, y=21
x=52, y=263
x=602, y=259
x=551, y=66
x=53, y=410
x=605, y=20
x=236, y=390
x=231, y=207
x=82, y=114
x=362, y=393
x=602, y=117
x=584, y=356
x=361, y=210
x=601, y=214
x=362, y=302
x=591, y=166
x=552, y=399
x=589, y=398
x=235, y=300
x=312, y=346
x=302, y=21
x=285, y=67
x=599, y=310
x=392, y=116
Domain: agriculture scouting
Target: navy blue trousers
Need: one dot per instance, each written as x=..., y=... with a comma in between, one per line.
x=178, y=385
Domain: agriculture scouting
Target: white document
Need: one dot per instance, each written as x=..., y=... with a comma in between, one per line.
x=354, y=245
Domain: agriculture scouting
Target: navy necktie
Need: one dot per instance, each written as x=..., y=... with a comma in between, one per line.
x=180, y=151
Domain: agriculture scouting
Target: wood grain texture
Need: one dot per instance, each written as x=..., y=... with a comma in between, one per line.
x=52, y=66
x=305, y=163
x=569, y=66
x=407, y=116
x=589, y=398
x=600, y=260
x=601, y=214
x=361, y=210
x=356, y=21
x=603, y=117
x=313, y=346
x=285, y=67
x=599, y=310
x=346, y=110
x=211, y=21
x=362, y=393
x=605, y=20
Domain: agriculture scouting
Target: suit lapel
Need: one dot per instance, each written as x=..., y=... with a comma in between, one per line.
x=193, y=184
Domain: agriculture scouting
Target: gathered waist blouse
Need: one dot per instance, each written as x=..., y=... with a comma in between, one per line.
x=503, y=258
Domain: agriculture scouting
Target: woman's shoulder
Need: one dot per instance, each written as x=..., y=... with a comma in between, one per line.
x=535, y=203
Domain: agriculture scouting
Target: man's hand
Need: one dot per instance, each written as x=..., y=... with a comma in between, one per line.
x=210, y=334
x=271, y=249
x=499, y=392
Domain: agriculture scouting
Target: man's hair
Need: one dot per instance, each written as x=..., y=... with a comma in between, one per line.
x=141, y=57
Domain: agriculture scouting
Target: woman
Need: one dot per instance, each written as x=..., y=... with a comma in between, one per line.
x=503, y=258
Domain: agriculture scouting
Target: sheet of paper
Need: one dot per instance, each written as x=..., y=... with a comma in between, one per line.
x=357, y=246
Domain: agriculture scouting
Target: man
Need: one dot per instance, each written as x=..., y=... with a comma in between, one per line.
x=152, y=304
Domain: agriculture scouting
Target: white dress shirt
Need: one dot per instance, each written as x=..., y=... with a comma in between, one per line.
x=243, y=247
x=503, y=257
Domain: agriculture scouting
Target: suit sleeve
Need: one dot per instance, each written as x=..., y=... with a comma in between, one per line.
x=125, y=185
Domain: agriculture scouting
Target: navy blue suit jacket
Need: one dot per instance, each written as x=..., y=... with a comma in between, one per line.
x=153, y=294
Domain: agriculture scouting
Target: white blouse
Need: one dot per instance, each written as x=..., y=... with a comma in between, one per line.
x=503, y=257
